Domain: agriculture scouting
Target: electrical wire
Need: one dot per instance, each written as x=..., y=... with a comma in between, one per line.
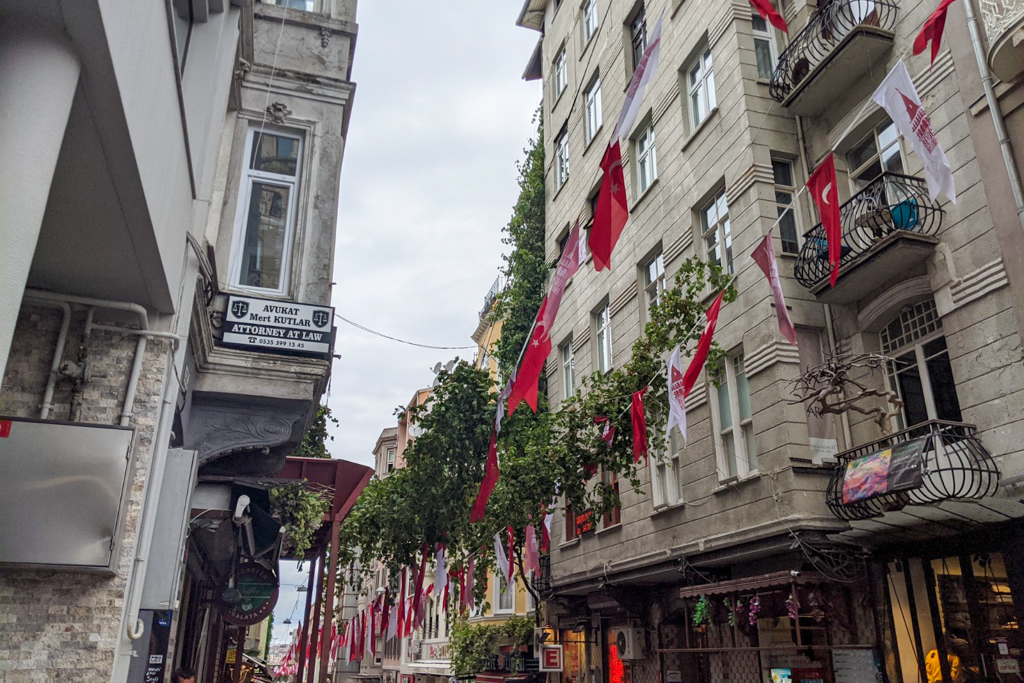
x=401, y=341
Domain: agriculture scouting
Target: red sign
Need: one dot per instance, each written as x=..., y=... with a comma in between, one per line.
x=585, y=522
x=5, y=429
x=551, y=658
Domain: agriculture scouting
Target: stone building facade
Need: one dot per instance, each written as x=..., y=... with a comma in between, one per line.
x=751, y=504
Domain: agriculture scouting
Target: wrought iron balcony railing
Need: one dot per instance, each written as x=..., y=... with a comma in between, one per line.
x=541, y=582
x=824, y=33
x=929, y=463
x=890, y=204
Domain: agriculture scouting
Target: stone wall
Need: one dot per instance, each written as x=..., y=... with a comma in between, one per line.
x=57, y=626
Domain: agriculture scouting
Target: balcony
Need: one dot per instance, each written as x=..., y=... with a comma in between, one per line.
x=888, y=228
x=1004, y=26
x=926, y=465
x=840, y=45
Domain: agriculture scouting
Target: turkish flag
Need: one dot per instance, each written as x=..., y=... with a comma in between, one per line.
x=417, y=601
x=765, y=9
x=529, y=371
x=932, y=30
x=612, y=211
x=490, y=480
x=401, y=602
x=823, y=187
x=703, y=346
x=639, y=426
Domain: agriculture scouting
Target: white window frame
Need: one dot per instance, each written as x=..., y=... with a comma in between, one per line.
x=666, y=474
x=249, y=178
x=590, y=24
x=637, y=37
x=653, y=287
x=740, y=428
x=646, y=154
x=568, y=361
x=510, y=588
x=856, y=183
x=765, y=35
x=390, y=456
x=561, y=159
x=593, y=116
x=791, y=190
x=700, y=86
x=561, y=72
x=603, y=337
x=721, y=227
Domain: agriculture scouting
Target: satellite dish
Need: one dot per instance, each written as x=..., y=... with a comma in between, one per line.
x=449, y=365
x=437, y=367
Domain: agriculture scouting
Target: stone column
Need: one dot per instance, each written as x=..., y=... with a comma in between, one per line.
x=38, y=78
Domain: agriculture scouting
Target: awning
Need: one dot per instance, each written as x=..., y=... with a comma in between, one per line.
x=752, y=583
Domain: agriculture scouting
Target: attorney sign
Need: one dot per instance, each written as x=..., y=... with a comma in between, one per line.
x=278, y=326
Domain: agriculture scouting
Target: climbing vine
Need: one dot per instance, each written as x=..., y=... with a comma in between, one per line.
x=301, y=511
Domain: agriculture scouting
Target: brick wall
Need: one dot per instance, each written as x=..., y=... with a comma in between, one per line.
x=57, y=626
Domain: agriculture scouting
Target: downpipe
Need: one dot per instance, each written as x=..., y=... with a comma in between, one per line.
x=58, y=352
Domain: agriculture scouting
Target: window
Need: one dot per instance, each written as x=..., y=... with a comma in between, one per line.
x=603, y=322
x=391, y=460
x=667, y=477
x=506, y=600
x=654, y=279
x=717, y=232
x=764, y=47
x=920, y=370
x=304, y=5
x=589, y=20
x=561, y=159
x=592, y=106
x=182, y=16
x=568, y=377
x=646, y=160
x=572, y=531
x=614, y=516
x=879, y=152
x=638, y=36
x=267, y=212
x=785, y=189
x=561, y=73
x=701, y=86
x=734, y=427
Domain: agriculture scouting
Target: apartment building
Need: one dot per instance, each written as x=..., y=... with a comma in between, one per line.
x=740, y=558
x=171, y=182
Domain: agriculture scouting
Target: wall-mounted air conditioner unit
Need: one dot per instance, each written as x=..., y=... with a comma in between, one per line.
x=630, y=643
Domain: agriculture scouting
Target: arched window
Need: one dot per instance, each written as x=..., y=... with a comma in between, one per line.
x=920, y=371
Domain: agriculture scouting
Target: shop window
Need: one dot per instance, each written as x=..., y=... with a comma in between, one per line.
x=920, y=370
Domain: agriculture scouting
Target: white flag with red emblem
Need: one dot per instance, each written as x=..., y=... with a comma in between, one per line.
x=676, y=396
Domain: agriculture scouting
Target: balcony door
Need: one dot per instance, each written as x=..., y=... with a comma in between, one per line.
x=920, y=370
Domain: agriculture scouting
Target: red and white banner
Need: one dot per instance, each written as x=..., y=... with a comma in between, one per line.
x=898, y=96
x=769, y=13
x=607, y=428
x=646, y=69
x=703, y=345
x=440, y=571
x=676, y=396
x=393, y=620
x=639, y=425
x=823, y=187
x=764, y=256
x=531, y=556
x=489, y=481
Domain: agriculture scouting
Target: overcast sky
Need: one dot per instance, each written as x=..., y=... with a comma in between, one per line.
x=441, y=115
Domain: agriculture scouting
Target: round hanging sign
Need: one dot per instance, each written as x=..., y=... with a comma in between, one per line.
x=253, y=597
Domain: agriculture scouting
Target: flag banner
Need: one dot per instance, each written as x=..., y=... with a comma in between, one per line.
x=646, y=70
x=393, y=620
x=768, y=13
x=440, y=571
x=502, y=397
x=373, y=632
x=400, y=621
x=385, y=612
x=470, y=583
x=421, y=576
x=823, y=188
x=676, y=396
x=703, y=346
x=528, y=374
x=898, y=97
x=489, y=481
x=531, y=558
x=932, y=30
x=568, y=264
x=607, y=429
x=612, y=210
x=502, y=559
x=764, y=256
x=545, y=532
x=410, y=617
x=511, y=552
x=639, y=425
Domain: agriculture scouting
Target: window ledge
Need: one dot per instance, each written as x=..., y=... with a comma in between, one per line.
x=697, y=131
x=254, y=292
x=734, y=482
x=668, y=508
x=558, y=190
x=605, y=529
x=764, y=81
x=588, y=145
x=565, y=545
x=643, y=195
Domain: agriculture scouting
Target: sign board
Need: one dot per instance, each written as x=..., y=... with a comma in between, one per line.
x=1005, y=665
x=256, y=589
x=278, y=326
x=551, y=658
x=855, y=666
x=894, y=469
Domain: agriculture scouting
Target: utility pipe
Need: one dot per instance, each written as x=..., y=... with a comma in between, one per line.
x=58, y=352
x=993, y=107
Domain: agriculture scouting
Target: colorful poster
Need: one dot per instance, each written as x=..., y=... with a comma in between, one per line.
x=894, y=469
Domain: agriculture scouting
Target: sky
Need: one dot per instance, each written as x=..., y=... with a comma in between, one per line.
x=440, y=117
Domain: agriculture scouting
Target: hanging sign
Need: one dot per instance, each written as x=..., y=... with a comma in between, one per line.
x=551, y=657
x=893, y=469
x=253, y=597
x=278, y=326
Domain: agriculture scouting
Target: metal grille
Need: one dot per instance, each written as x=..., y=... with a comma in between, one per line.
x=916, y=322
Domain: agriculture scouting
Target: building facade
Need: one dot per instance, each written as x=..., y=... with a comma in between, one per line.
x=178, y=166
x=740, y=558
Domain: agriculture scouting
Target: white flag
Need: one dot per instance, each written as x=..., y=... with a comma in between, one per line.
x=503, y=563
x=898, y=96
x=392, y=622
x=676, y=396
x=645, y=70
x=440, y=572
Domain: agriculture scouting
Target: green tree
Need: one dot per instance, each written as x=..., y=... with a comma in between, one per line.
x=314, y=441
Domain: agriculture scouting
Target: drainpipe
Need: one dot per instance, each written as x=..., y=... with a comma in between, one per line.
x=58, y=352
x=993, y=107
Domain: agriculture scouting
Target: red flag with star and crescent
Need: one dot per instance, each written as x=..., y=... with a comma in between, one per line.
x=612, y=211
x=822, y=185
x=769, y=13
x=700, y=356
x=529, y=371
